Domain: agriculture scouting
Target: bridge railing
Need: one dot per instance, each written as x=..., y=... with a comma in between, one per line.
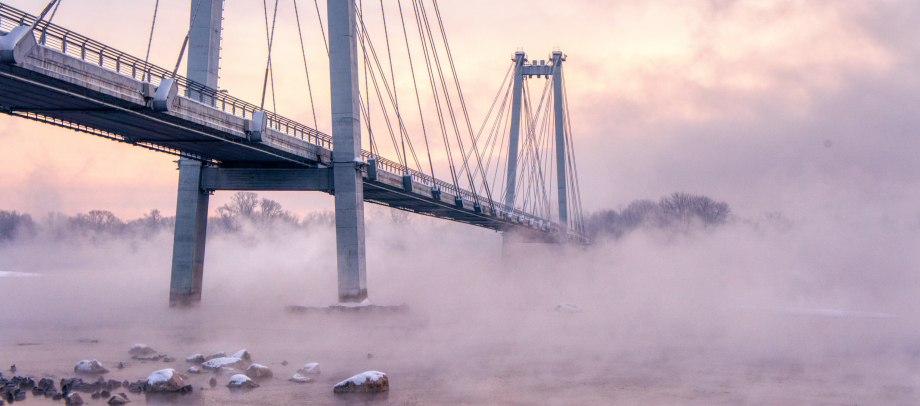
x=87, y=49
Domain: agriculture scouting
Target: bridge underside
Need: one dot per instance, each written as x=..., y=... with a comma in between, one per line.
x=68, y=92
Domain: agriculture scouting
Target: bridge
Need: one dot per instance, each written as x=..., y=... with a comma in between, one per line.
x=53, y=75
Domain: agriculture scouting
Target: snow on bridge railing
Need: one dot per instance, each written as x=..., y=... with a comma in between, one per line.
x=87, y=49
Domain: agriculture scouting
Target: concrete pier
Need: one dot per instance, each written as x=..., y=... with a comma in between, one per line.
x=190, y=236
x=346, y=152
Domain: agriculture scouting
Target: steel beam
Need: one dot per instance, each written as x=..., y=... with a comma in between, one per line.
x=300, y=179
x=514, y=136
x=190, y=235
x=346, y=152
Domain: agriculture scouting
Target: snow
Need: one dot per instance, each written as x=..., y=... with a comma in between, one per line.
x=239, y=354
x=195, y=357
x=309, y=367
x=568, y=307
x=365, y=303
x=359, y=379
x=88, y=366
x=301, y=379
x=219, y=362
x=239, y=379
x=160, y=376
x=16, y=274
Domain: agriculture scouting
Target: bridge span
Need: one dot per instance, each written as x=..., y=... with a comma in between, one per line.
x=55, y=76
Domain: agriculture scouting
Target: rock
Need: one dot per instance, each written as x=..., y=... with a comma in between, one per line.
x=196, y=359
x=50, y=392
x=95, y=395
x=186, y=389
x=370, y=381
x=112, y=384
x=73, y=399
x=165, y=380
x=241, y=381
x=369, y=355
x=141, y=349
x=90, y=367
x=121, y=365
x=20, y=396
x=167, y=358
x=284, y=363
x=56, y=397
x=213, y=382
x=568, y=308
x=36, y=391
x=243, y=355
x=229, y=362
x=258, y=371
x=309, y=369
x=194, y=370
x=148, y=357
x=219, y=354
x=301, y=379
x=106, y=394
x=13, y=368
x=46, y=383
x=119, y=399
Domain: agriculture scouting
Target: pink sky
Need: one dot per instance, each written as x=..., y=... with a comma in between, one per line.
x=791, y=106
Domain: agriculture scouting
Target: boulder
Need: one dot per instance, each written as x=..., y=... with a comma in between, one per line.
x=119, y=399
x=258, y=371
x=73, y=399
x=243, y=355
x=241, y=381
x=195, y=359
x=365, y=382
x=165, y=380
x=90, y=367
x=228, y=362
x=309, y=369
x=568, y=308
x=141, y=350
x=301, y=379
x=194, y=370
x=219, y=354
x=212, y=382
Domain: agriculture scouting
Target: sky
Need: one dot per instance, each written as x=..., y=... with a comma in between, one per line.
x=801, y=107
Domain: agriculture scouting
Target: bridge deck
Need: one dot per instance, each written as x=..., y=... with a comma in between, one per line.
x=56, y=87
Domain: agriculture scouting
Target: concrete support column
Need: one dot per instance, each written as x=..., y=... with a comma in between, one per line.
x=559, y=108
x=190, y=235
x=346, y=138
x=514, y=136
x=204, y=41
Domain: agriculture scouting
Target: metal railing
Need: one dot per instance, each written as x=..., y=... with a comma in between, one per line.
x=78, y=46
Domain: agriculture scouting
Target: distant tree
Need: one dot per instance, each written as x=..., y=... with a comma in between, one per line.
x=677, y=209
x=14, y=225
x=97, y=221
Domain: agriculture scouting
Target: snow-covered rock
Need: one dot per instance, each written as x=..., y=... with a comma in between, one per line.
x=301, y=379
x=370, y=381
x=194, y=370
x=118, y=399
x=90, y=367
x=141, y=349
x=241, y=381
x=195, y=359
x=309, y=369
x=243, y=355
x=258, y=371
x=568, y=308
x=165, y=380
x=228, y=362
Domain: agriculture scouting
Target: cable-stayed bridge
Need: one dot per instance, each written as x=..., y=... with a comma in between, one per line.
x=55, y=76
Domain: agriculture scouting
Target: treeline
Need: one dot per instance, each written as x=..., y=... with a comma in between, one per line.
x=675, y=212
x=245, y=209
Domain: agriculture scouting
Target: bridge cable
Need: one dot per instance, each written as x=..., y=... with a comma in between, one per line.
x=434, y=91
x=577, y=185
x=462, y=103
x=402, y=129
x=321, y=29
x=269, y=36
x=415, y=86
x=187, y=34
x=494, y=101
x=447, y=101
x=303, y=52
x=48, y=23
x=150, y=41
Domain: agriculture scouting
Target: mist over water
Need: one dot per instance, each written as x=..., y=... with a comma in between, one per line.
x=754, y=311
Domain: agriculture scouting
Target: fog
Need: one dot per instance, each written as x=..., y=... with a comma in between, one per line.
x=755, y=310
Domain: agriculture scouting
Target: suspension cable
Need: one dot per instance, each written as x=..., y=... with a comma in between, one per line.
x=321, y=29
x=303, y=52
x=187, y=34
x=150, y=41
x=269, y=36
x=415, y=86
x=386, y=36
x=48, y=23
